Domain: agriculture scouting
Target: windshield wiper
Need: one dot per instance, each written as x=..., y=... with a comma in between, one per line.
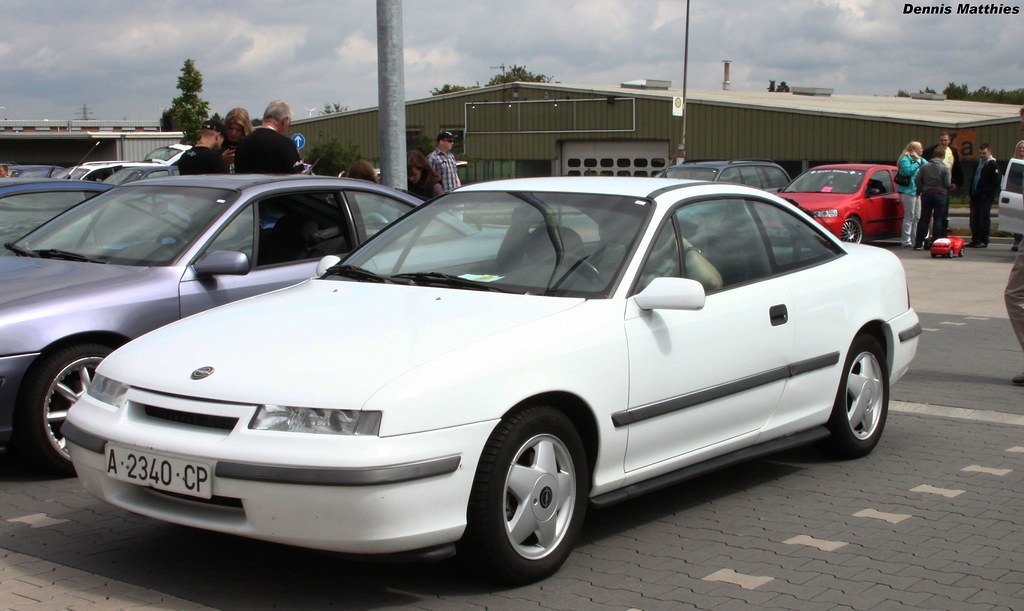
x=56, y=253
x=448, y=280
x=18, y=250
x=355, y=273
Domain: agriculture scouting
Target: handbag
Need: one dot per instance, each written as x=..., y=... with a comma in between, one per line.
x=902, y=179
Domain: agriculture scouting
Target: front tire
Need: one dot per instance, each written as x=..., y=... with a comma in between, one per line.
x=529, y=497
x=49, y=389
x=862, y=401
x=852, y=231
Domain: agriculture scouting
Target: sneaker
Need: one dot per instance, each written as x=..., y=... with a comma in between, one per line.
x=917, y=248
x=1015, y=248
x=981, y=245
x=1019, y=380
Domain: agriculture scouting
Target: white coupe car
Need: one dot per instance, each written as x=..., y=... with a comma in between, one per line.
x=476, y=375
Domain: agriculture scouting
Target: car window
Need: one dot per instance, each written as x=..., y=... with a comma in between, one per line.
x=690, y=172
x=1015, y=177
x=793, y=243
x=301, y=226
x=20, y=213
x=881, y=182
x=726, y=233
x=663, y=258
x=373, y=211
x=132, y=225
x=731, y=175
x=237, y=235
x=773, y=178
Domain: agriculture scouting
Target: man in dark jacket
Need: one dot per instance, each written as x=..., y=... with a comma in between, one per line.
x=204, y=157
x=984, y=189
x=952, y=160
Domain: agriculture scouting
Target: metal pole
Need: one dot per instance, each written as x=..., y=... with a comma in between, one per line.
x=686, y=63
x=391, y=93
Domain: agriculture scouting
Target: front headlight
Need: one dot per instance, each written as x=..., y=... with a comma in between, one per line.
x=826, y=214
x=108, y=391
x=312, y=420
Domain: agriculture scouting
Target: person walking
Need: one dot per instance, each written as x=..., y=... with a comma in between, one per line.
x=443, y=161
x=906, y=185
x=268, y=149
x=933, y=182
x=984, y=189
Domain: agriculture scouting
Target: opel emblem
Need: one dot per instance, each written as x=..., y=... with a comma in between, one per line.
x=546, y=496
x=202, y=372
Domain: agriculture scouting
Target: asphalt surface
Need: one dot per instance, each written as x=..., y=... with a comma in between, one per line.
x=932, y=519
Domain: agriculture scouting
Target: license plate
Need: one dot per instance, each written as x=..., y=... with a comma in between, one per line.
x=188, y=477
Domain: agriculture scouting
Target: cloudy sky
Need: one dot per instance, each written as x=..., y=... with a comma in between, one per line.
x=121, y=60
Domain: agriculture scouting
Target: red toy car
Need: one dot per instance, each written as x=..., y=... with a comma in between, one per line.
x=947, y=247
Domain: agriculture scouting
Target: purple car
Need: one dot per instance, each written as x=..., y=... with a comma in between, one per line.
x=146, y=254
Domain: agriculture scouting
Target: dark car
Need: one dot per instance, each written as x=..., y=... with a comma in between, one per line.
x=33, y=171
x=756, y=173
x=131, y=174
x=26, y=203
x=855, y=201
x=145, y=254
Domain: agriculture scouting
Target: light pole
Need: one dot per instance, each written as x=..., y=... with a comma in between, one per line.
x=686, y=62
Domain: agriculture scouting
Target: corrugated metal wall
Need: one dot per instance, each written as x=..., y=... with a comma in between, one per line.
x=507, y=127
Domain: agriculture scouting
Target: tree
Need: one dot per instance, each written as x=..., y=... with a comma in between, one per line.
x=780, y=88
x=517, y=74
x=330, y=109
x=447, y=88
x=510, y=75
x=188, y=110
x=331, y=157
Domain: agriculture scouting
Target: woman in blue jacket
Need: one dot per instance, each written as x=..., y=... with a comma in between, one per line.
x=907, y=167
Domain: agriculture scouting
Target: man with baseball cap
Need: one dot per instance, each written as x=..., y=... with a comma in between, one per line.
x=443, y=161
x=204, y=157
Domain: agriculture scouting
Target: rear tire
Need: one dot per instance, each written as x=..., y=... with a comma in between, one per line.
x=49, y=389
x=862, y=401
x=529, y=497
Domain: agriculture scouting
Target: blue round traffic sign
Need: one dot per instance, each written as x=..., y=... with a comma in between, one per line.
x=299, y=140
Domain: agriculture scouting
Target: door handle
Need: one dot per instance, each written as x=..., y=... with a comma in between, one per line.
x=778, y=314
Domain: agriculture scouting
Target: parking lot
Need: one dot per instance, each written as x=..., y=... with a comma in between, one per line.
x=932, y=519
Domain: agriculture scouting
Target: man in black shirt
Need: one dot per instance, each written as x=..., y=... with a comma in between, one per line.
x=204, y=157
x=268, y=149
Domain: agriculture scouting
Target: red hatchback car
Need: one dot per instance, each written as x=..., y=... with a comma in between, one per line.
x=855, y=201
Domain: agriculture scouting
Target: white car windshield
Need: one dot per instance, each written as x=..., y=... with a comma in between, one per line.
x=564, y=244
x=129, y=226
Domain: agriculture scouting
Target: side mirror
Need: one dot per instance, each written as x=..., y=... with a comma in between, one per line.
x=326, y=263
x=671, y=294
x=222, y=263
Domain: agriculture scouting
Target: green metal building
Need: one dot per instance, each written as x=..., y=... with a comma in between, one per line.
x=550, y=129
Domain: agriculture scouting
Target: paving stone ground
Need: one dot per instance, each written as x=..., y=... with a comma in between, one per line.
x=796, y=531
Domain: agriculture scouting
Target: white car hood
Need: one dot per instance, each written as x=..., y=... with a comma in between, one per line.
x=320, y=343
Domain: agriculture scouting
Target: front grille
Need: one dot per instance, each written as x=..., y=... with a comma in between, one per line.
x=217, y=501
x=224, y=423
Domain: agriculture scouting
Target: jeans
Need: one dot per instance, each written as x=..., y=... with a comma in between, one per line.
x=933, y=207
x=911, y=216
x=981, y=220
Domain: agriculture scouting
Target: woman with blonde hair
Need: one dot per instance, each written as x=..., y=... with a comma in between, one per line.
x=906, y=171
x=237, y=125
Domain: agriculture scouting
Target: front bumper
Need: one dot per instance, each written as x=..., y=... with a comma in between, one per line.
x=355, y=495
x=902, y=335
x=12, y=370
